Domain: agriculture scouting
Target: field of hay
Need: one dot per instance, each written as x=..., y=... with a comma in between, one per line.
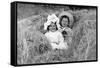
x=32, y=45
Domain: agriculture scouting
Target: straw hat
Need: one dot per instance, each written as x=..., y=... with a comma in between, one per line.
x=65, y=13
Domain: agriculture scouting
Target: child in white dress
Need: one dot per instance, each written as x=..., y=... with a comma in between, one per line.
x=55, y=37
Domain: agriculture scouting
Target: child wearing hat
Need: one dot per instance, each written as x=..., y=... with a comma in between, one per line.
x=66, y=20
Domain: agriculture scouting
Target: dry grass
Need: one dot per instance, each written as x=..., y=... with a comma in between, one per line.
x=33, y=47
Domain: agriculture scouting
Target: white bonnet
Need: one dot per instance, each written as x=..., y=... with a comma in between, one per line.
x=51, y=18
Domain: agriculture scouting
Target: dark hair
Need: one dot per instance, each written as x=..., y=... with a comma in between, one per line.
x=50, y=25
x=62, y=19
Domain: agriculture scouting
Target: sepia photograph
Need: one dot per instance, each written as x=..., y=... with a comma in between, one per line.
x=55, y=33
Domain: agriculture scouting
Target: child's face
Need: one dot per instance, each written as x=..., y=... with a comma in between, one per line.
x=64, y=22
x=52, y=27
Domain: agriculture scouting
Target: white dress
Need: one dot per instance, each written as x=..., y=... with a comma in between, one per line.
x=56, y=40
